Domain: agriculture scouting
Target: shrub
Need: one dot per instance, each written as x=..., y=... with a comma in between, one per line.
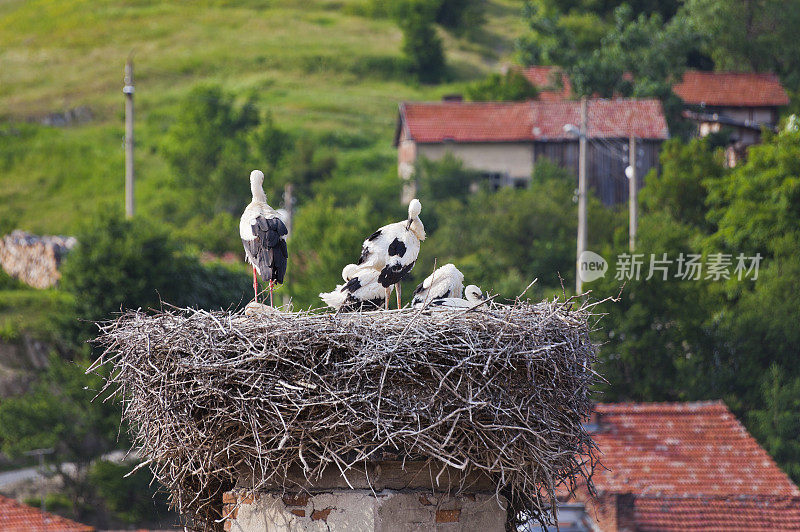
x=511, y=86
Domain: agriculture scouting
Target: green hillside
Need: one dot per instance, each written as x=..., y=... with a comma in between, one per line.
x=316, y=65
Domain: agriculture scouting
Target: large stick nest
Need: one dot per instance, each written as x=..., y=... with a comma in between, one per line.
x=501, y=389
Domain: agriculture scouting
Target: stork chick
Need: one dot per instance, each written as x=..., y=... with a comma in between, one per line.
x=444, y=282
x=361, y=290
x=472, y=293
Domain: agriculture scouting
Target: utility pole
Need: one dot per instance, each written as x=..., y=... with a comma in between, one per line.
x=633, y=194
x=581, y=194
x=288, y=205
x=129, y=176
x=40, y=453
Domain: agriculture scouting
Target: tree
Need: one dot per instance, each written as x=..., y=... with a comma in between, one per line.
x=461, y=16
x=555, y=38
x=658, y=341
x=777, y=424
x=511, y=86
x=133, y=500
x=680, y=188
x=422, y=47
x=128, y=264
x=754, y=35
x=214, y=143
x=58, y=412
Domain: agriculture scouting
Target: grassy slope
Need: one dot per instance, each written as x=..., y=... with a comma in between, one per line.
x=317, y=64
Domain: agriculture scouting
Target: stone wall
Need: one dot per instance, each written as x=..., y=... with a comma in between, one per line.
x=32, y=259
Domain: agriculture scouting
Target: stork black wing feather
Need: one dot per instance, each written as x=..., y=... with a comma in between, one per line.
x=268, y=248
x=353, y=285
x=364, y=256
x=419, y=288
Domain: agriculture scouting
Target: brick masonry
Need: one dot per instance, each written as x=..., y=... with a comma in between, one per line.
x=364, y=510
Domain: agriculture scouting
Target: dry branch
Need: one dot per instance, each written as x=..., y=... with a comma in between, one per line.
x=502, y=389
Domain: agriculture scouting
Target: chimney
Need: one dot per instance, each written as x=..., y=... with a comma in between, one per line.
x=453, y=98
x=626, y=516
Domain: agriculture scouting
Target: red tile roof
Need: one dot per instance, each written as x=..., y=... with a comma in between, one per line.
x=683, y=449
x=543, y=76
x=722, y=515
x=18, y=517
x=722, y=89
x=731, y=89
x=529, y=121
x=691, y=465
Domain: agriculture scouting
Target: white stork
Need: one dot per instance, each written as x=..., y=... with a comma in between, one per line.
x=444, y=282
x=264, y=237
x=472, y=294
x=361, y=290
x=392, y=250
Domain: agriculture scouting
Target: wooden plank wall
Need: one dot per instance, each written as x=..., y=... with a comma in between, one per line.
x=607, y=161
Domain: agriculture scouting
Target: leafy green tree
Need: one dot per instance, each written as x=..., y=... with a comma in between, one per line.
x=606, y=8
x=58, y=412
x=556, y=38
x=503, y=240
x=215, y=143
x=461, y=16
x=422, y=47
x=754, y=35
x=511, y=86
x=777, y=424
x=680, y=187
x=128, y=264
x=657, y=340
x=761, y=199
x=134, y=500
x=306, y=166
x=445, y=179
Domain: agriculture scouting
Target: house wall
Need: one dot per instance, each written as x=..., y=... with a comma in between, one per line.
x=757, y=114
x=514, y=159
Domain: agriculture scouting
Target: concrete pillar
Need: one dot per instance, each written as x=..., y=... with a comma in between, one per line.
x=386, y=497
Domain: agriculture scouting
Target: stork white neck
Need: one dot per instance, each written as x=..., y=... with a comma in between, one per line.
x=414, y=223
x=256, y=186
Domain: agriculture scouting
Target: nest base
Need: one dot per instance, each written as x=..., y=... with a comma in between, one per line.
x=363, y=510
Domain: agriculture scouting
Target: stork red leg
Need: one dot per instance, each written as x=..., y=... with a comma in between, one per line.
x=271, y=284
x=399, y=299
x=388, y=293
x=255, y=285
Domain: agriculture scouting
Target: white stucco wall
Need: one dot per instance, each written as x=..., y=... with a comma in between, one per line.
x=515, y=159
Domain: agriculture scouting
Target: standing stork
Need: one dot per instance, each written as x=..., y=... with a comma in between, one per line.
x=392, y=250
x=444, y=282
x=264, y=237
x=361, y=290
